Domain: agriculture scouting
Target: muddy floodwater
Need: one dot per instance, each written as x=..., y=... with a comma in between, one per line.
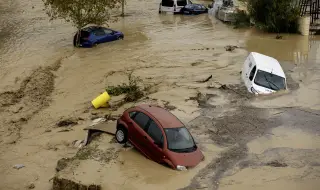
x=249, y=142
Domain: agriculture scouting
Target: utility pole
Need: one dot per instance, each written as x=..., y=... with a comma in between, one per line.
x=122, y=14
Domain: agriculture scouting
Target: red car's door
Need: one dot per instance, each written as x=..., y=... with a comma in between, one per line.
x=138, y=134
x=154, y=141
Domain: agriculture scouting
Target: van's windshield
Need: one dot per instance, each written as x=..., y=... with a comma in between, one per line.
x=269, y=80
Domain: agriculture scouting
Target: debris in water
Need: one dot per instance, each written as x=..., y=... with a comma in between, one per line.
x=214, y=85
x=97, y=121
x=206, y=79
x=195, y=63
x=64, y=130
x=276, y=163
x=78, y=143
x=224, y=87
x=18, y=166
x=110, y=117
x=230, y=48
x=167, y=105
x=31, y=186
x=17, y=109
x=66, y=122
x=101, y=100
x=279, y=37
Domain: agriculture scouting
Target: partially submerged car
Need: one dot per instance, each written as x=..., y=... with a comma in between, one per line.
x=263, y=74
x=194, y=9
x=93, y=35
x=224, y=10
x=173, y=6
x=159, y=135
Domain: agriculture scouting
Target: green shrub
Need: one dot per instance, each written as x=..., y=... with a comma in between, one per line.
x=274, y=15
x=132, y=90
x=242, y=19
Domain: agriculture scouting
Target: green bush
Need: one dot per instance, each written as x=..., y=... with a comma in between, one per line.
x=242, y=19
x=274, y=15
x=132, y=90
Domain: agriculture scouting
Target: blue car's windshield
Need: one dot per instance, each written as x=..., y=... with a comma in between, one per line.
x=179, y=140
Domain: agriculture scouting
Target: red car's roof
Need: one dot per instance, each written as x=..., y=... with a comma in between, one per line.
x=164, y=117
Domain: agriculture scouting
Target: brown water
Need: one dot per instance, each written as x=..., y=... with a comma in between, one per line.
x=171, y=52
x=286, y=145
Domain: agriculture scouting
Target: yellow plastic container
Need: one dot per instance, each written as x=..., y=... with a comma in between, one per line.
x=101, y=100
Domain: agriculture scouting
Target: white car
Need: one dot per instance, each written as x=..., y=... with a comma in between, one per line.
x=263, y=74
x=173, y=6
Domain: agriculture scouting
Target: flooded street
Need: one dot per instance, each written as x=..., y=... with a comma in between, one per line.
x=249, y=142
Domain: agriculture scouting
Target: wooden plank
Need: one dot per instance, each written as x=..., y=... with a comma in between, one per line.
x=106, y=127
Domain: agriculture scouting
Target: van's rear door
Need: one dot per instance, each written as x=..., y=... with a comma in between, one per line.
x=167, y=5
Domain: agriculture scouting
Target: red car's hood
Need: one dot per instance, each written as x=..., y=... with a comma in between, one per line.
x=189, y=159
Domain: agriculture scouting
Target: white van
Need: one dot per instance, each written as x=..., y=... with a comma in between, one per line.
x=263, y=74
x=173, y=6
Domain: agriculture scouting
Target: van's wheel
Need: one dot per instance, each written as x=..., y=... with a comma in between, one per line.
x=121, y=135
x=120, y=37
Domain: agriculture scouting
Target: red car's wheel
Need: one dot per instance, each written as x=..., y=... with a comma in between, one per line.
x=121, y=135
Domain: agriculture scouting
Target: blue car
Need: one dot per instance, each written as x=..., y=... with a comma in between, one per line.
x=194, y=9
x=94, y=35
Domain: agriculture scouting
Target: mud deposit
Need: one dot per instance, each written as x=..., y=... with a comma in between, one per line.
x=238, y=130
x=249, y=142
x=17, y=107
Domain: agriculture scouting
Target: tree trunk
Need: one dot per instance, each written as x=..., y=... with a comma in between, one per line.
x=78, y=37
x=122, y=14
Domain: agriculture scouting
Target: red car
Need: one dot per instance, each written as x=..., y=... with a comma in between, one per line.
x=159, y=135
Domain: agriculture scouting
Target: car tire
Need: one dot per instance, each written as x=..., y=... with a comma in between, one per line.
x=120, y=38
x=121, y=135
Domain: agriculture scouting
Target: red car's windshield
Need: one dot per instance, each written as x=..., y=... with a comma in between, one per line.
x=180, y=140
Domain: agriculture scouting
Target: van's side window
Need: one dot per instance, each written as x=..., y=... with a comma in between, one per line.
x=167, y=3
x=253, y=71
